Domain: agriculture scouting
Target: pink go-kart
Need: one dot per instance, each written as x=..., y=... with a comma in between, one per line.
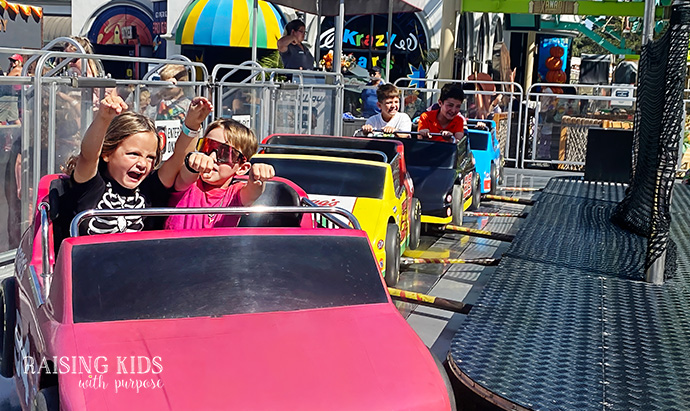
x=274, y=314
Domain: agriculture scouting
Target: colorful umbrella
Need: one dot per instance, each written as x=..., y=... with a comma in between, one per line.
x=229, y=23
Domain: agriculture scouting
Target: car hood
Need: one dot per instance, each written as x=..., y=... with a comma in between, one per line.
x=431, y=185
x=357, y=357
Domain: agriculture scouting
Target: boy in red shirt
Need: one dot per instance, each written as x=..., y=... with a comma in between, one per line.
x=447, y=119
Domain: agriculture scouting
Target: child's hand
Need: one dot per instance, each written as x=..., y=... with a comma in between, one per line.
x=201, y=163
x=424, y=133
x=389, y=130
x=198, y=111
x=260, y=173
x=367, y=128
x=111, y=106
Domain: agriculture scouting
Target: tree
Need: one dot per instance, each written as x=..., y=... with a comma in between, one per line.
x=622, y=26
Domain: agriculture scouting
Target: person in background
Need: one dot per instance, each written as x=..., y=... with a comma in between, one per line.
x=294, y=54
x=414, y=105
x=172, y=102
x=93, y=68
x=16, y=63
x=9, y=94
x=369, y=100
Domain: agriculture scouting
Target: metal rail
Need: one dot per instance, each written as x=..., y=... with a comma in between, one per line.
x=429, y=301
x=47, y=273
x=478, y=261
x=162, y=211
x=326, y=149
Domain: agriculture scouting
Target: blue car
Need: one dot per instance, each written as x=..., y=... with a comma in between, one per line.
x=487, y=154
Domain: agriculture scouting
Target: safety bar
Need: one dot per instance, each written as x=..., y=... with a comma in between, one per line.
x=327, y=149
x=47, y=273
x=414, y=133
x=93, y=82
x=330, y=217
x=163, y=212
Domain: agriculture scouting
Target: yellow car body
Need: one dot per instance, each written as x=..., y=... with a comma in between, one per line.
x=374, y=214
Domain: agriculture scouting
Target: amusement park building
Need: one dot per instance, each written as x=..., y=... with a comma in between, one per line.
x=196, y=28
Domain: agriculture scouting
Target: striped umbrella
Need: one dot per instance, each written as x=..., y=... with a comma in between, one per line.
x=229, y=23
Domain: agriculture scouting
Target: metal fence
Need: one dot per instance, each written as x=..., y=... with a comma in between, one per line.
x=56, y=108
x=478, y=94
x=555, y=125
x=43, y=117
x=279, y=100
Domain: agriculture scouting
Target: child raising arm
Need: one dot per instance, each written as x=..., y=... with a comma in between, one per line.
x=206, y=180
x=115, y=168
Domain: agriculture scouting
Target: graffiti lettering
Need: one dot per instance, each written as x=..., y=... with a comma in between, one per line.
x=315, y=99
x=410, y=43
x=327, y=39
x=357, y=39
x=349, y=37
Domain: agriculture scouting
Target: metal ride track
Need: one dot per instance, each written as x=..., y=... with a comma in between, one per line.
x=566, y=321
x=461, y=281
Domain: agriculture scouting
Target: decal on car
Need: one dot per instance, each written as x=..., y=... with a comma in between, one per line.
x=346, y=203
x=467, y=186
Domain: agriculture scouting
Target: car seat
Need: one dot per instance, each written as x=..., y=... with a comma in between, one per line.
x=276, y=193
x=61, y=220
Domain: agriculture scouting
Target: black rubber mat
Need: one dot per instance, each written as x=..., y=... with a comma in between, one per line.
x=564, y=323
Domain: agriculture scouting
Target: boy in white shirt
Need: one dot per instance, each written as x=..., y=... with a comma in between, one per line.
x=390, y=119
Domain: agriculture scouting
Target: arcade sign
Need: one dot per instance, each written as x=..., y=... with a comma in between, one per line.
x=366, y=38
x=553, y=7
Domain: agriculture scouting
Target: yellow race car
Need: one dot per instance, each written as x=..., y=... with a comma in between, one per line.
x=364, y=176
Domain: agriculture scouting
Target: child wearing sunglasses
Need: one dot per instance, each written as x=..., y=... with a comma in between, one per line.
x=206, y=180
x=115, y=168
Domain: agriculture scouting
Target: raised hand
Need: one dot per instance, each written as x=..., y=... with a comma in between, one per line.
x=200, y=108
x=111, y=106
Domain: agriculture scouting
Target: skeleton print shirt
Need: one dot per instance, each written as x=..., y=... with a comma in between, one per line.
x=103, y=193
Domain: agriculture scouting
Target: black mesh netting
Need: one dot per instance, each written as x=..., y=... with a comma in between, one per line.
x=645, y=210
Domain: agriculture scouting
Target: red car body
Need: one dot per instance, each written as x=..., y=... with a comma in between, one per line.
x=215, y=329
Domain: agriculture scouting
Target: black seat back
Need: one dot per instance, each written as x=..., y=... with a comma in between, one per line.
x=276, y=193
x=61, y=218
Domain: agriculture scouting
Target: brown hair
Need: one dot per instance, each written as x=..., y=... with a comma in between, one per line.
x=238, y=135
x=122, y=127
x=387, y=91
x=94, y=64
x=177, y=71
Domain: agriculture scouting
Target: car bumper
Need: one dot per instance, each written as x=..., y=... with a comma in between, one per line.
x=436, y=220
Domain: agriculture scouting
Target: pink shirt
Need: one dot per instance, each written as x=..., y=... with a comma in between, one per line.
x=195, y=196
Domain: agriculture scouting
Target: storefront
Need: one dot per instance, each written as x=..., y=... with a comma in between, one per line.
x=366, y=39
x=123, y=30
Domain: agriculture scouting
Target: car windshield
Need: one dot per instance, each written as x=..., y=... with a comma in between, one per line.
x=479, y=141
x=330, y=177
x=421, y=153
x=216, y=276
